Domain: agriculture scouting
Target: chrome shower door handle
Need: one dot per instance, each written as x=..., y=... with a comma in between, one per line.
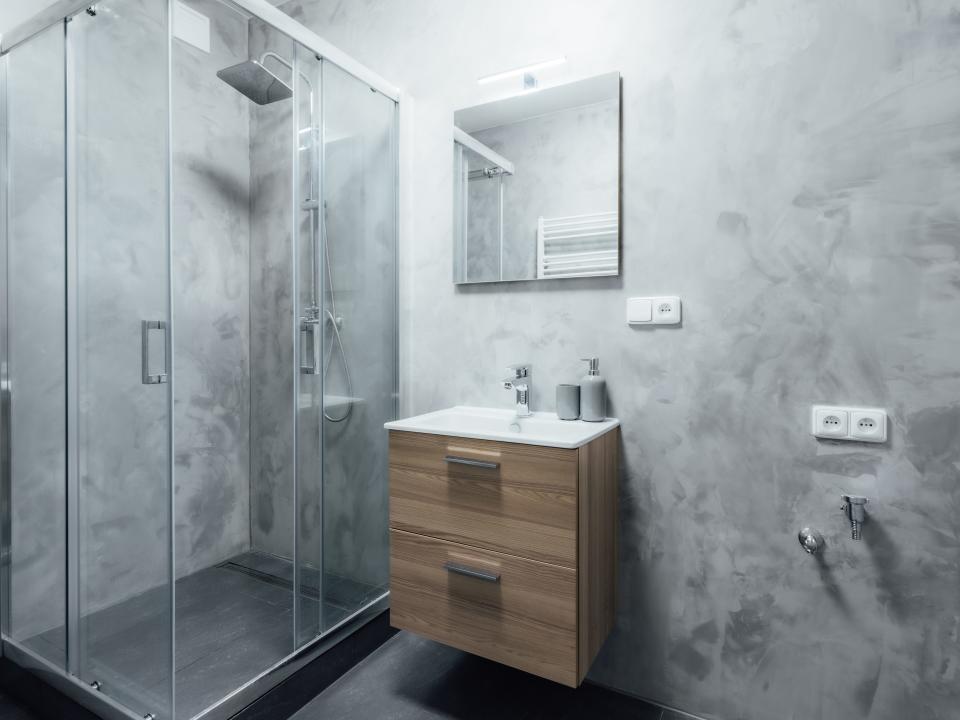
x=146, y=329
x=310, y=346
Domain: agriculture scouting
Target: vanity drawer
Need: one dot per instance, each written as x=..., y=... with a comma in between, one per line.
x=514, y=611
x=507, y=497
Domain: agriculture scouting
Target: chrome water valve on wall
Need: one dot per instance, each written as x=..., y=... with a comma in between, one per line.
x=854, y=506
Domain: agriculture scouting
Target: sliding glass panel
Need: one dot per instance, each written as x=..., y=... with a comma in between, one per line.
x=233, y=258
x=118, y=336
x=34, y=364
x=360, y=358
x=313, y=321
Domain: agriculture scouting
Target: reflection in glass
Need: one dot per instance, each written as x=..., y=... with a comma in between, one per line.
x=555, y=214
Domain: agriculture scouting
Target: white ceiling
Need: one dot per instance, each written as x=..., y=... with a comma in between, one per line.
x=14, y=12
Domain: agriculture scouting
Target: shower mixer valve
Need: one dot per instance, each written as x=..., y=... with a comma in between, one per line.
x=811, y=540
x=855, y=507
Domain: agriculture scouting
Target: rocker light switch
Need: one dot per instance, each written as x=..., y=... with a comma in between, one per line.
x=639, y=310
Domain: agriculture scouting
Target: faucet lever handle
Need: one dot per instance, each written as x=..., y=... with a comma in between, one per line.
x=520, y=370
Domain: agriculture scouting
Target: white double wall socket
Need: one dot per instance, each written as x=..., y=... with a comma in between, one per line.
x=847, y=423
x=653, y=310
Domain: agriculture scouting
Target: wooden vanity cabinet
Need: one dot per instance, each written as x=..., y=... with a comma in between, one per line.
x=505, y=550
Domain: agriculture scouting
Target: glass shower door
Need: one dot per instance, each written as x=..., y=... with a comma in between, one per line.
x=311, y=320
x=118, y=339
x=32, y=351
x=359, y=240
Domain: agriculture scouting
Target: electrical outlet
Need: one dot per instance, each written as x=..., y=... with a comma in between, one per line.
x=666, y=310
x=868, y=425
x=844, y=423
x=830, y=422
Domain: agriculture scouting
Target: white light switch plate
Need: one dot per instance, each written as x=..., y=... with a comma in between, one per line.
x=846, y=423
x=653, y=310
x=639, y=310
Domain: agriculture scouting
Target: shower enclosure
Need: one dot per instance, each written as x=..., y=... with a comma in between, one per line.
x=198, y=350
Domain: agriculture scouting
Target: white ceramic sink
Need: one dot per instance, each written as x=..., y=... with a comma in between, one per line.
x=542, y=428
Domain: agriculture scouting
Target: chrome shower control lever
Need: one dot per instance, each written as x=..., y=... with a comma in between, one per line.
x=311, y=363
x=521, y=378
x=854, y=506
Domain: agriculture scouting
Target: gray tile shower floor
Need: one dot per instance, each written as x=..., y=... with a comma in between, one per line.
x=410, y=678
x=233, y=621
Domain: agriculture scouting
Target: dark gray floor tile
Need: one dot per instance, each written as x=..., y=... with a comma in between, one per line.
x=226, y=610
x=410, y=678
x=12, y=710
x=671, y=715
x=230, y=627
x=349, y=594
x=238, y=660
x=47, y=648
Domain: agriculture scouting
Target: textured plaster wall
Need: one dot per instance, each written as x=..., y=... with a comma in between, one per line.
x=211, y=280
x=792, y=169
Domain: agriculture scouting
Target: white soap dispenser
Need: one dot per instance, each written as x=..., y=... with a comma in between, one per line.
x=593, y=393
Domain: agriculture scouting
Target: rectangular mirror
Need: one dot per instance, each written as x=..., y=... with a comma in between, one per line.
x=537, y=185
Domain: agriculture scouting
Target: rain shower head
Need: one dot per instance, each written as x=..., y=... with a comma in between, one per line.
x=256, y=82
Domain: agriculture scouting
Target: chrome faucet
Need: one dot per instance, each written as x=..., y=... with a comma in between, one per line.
x=521, y=378
x=853, y=505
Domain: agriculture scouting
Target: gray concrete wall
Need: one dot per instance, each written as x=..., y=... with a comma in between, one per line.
x=792, y=169
x=211, y=279
x=271, y=314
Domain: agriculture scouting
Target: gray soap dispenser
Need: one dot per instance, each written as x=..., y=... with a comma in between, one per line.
x=593, y=393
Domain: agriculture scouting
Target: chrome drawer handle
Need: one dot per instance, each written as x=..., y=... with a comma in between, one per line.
x=453, y=459
x=470, y=572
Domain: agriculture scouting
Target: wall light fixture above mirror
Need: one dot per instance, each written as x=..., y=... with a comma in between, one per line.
x=537, y=184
